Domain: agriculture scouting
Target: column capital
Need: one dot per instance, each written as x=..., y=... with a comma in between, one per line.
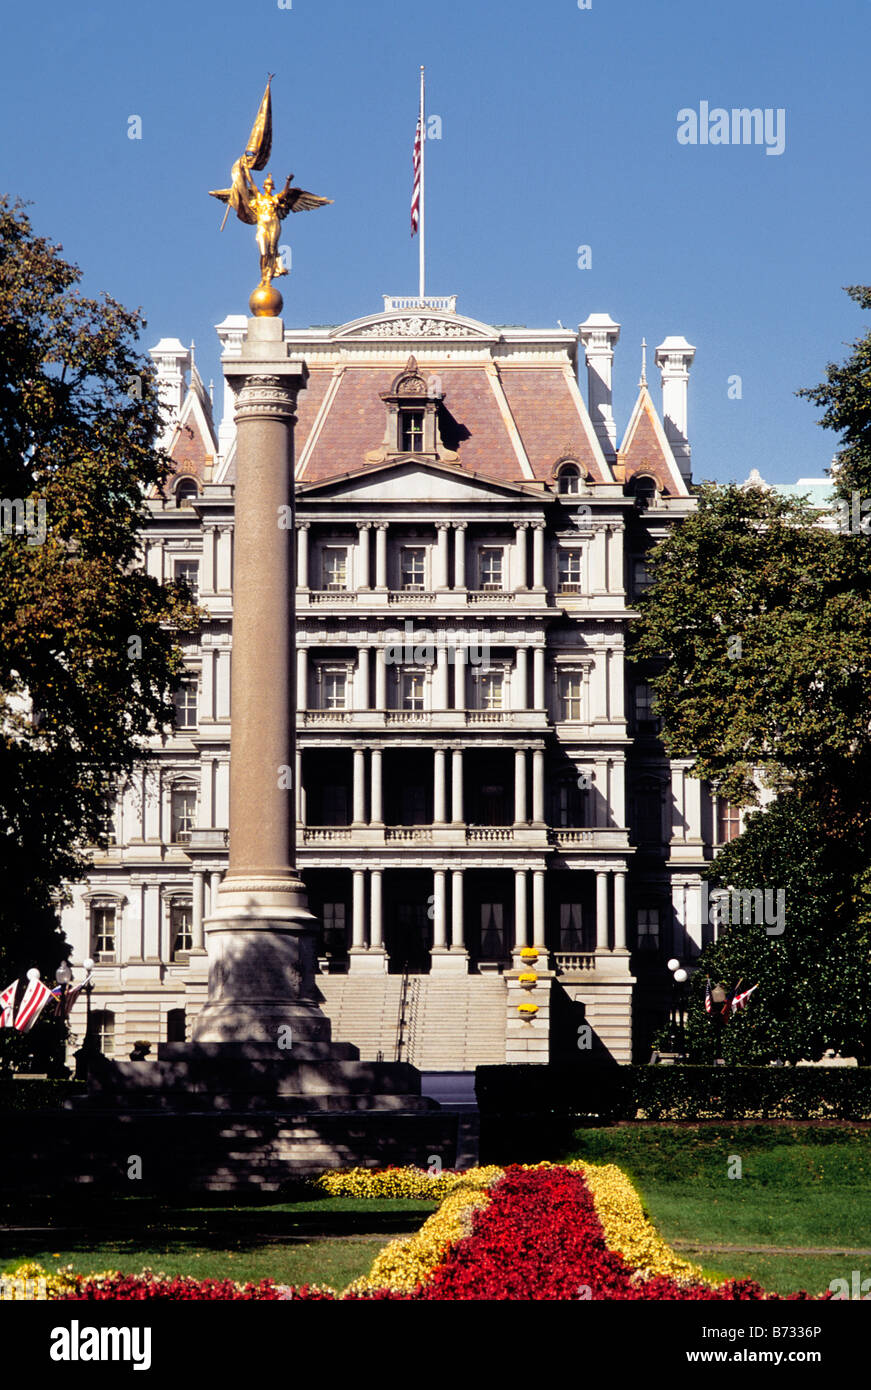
x=459, y=525
x=443, y=525
x=268, y=396
x=363, y=525
x=380, y=525
x=303, y=525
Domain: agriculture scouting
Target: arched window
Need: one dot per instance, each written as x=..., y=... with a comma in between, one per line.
x=176, y=1026
x=569, y=479
x=186, y=491
x=643, y=488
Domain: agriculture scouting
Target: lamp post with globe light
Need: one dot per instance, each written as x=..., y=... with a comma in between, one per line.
x=679, y=977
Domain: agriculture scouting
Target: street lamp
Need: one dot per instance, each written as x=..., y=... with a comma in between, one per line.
x=679, y=978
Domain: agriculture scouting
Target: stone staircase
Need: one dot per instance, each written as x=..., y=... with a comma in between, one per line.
x=455, y=1023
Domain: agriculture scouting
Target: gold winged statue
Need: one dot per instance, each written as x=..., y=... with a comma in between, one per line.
x=264, y=209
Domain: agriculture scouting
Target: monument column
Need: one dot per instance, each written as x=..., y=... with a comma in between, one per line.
x=259, y=934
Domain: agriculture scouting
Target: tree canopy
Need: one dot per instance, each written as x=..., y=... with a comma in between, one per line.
x=89, y=653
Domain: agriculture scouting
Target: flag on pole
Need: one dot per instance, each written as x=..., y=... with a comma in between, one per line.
x=415, y=192
x=7, y=1004
x=69, y=996
x=36, y=996
x=740, y=1000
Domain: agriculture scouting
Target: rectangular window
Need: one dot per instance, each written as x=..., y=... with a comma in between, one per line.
x=640, y=576
x=490, y=564
x=571, y=686
x=728, y=821
x=412, y=567
x=571, y=932
x=412, y=431
x=647, y=921
x=189, y=571
x=334, y=918
x=645, y=709
x=103, y=929
x=335, y=567
x=570, y=571
x=335, y=803
x=492, y=931
x=334, y=689
x=183, y=807
x=491, y=688
x=186, y=703
x=181, y=922
x=102, y=1030
x=412, y=689
x=108, y=819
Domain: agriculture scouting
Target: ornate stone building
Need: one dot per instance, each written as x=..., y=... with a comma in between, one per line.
x=477, y=770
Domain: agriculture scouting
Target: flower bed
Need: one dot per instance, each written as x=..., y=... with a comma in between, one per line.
x=569, y=1232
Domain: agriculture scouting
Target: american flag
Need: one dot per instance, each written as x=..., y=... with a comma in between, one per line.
x=739, y=1000
x=36, y=996
x=69, y=996
x=415, y=192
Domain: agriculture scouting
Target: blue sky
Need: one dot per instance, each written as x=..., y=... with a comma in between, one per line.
x=558, y=130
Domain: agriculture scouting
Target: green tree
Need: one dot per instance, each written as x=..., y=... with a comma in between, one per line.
x=845, y=396
x=89, y=656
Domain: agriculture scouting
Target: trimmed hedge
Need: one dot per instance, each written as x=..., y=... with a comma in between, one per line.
x=675, y=1092
x=34, y=1094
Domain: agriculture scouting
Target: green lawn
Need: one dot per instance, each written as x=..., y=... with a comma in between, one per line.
x=799, y=1188
x=328, y=1241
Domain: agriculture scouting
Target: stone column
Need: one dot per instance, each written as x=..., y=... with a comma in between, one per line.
x=300, y=804
x=380, y=679
x=198, y=909
x=359, y=787
x=520, y=555
x=538, y=786
x=457, y=787
x=619, y=911
x=362, y=691
x=538, y=699
x=440, y=691
x=601, y=910
x=520, y=680
x=460, y=678
x=376, y=910
x=301, y=679
x=439, y=789
x=538, y=909
x=538, y=556
x=520, y=786
x=458, y=942
x=302, y=555
x=441, y=567
x=377, y=794
x=439, y=924
x=260, y=935
x=362, y=576
x=381, y=555
x=519, y=909
x=460, y=554
x=358, y=912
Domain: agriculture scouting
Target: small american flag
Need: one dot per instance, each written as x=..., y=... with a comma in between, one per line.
x=415, y=192
x=740, y=1000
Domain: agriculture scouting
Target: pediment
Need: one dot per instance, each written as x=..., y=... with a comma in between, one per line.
x=418, y=324
x=408, y=480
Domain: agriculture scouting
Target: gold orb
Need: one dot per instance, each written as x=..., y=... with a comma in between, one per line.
x=265, y=302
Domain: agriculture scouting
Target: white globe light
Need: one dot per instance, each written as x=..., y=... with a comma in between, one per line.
x=680, y=976
x=674, y=963
x=89, y=964
x=33, y=973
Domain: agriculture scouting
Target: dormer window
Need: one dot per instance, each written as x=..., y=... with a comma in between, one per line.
x=413, y=414
x=411, y=430
x=569, y=479
x=186, y=492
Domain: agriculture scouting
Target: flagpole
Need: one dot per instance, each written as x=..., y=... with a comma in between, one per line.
x=422, y=247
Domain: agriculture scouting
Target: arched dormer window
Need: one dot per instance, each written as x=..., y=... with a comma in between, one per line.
x=643, y=487
x=569, y=479
x=412, y=412
x=186, y=492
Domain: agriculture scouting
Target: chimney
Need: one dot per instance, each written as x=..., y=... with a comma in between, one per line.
x=674, y=357
x=598, y=335
x=172, y=361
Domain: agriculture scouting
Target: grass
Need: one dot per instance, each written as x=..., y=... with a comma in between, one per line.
x=325, y=1241
x=800, y=1187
